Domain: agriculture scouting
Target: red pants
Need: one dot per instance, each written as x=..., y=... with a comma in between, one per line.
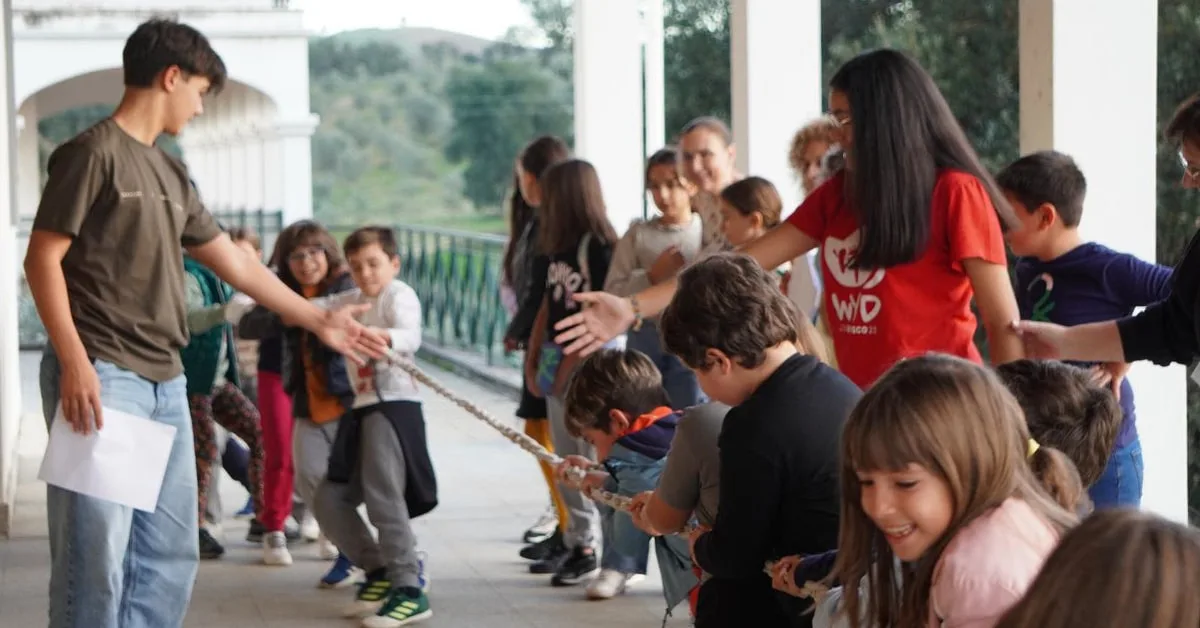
x=276, y=409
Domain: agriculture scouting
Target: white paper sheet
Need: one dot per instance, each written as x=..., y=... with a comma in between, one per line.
x=124, y=462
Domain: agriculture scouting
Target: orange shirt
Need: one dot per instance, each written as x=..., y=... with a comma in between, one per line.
x=322, y=407
x=878, y=317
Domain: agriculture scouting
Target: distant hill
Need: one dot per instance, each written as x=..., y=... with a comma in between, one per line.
x=411, y=39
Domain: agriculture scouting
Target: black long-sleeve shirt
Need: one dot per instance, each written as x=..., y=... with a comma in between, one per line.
x=1168, y=331
x=779, y=471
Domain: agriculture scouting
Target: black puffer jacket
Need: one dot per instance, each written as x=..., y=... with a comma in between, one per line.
x=529, y=284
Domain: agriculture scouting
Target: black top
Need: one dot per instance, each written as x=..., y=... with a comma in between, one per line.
x=779, y=472
x=1167, y=331
x=565, y=277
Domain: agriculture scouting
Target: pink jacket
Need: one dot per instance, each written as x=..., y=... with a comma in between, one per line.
x=988, y=566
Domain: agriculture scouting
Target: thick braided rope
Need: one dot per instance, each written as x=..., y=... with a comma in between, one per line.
x=523, y=441
x=612, y=500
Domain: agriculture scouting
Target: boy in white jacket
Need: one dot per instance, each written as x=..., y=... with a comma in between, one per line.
x=380, y=456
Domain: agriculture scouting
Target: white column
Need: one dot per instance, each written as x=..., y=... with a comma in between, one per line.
x=295, y=157
x=773, y=96
x=29, y=171
x=774, y=92
x=272, y=169
x=1064, y=73
x=10, y=373
x=255, y=168
x=608, y=102
x=652, y=51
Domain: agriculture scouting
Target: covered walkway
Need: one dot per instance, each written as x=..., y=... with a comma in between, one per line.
x=490, y=491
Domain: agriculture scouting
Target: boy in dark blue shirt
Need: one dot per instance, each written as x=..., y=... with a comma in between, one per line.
x=1062, y=279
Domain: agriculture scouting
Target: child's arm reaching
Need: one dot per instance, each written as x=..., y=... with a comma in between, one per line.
x=201, y=318
x=534, y=350
x=1135, y=282
x=402, y=311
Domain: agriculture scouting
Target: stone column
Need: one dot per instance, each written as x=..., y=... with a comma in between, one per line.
x=295, y=167
x=609, y=129
x=10, y=369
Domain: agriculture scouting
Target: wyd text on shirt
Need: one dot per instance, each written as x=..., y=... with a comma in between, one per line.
x=123, y=462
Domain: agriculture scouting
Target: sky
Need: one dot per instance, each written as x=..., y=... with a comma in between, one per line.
x=489, y=19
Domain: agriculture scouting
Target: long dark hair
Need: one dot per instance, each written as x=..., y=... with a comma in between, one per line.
x=519, y=215
x=541, y=153
x=572, y=206
x=904, y=133
x=307, y=233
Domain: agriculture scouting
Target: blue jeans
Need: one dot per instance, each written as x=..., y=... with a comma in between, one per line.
x=1121, y=483
x=110, y=565
x=682, y=388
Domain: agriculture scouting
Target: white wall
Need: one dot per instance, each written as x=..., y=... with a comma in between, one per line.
x=10, y=388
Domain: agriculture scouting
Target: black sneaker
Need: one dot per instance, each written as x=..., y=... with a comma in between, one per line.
x=553, y=562
x=581, y=564
x=256, y=532
x=544, y=548
x=209, y=547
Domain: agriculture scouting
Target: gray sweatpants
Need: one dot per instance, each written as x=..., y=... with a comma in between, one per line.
x=311, y=444
x=584, y=521
x=377, y=481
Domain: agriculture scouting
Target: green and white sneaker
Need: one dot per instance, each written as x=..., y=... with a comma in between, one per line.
x=401, y=609
x=371, y=595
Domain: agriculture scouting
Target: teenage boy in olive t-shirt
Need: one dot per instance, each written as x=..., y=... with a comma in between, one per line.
x=105, y=266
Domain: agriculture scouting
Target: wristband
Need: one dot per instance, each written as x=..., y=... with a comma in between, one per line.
x=637, y=313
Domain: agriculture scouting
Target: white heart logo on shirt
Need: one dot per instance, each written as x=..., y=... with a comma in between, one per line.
x=839, y=258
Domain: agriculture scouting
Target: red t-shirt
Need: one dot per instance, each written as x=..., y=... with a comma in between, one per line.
x=877, y=318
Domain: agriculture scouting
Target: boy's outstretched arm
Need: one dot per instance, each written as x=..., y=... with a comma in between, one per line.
x=336, y=328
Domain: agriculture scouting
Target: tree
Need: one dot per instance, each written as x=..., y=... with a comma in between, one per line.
x=499, y=104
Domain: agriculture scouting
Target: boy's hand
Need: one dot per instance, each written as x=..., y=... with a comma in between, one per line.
x=783, y=576
x=1110, y=375
x=565, y=469
x=341, y=332
x=384, y=336
x=79, y=393
x=637, y=512
x=668, y=263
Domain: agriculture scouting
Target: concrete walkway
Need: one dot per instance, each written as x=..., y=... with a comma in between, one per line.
x=490, y=491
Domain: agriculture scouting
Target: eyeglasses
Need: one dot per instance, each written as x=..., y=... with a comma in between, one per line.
x=1191, y=170
x=841, y=118
x=300, y=255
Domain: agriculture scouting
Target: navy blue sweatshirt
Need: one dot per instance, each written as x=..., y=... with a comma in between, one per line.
x=1089, y=284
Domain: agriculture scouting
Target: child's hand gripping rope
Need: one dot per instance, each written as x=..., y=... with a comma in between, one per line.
x=782, y=572
x=597, y=495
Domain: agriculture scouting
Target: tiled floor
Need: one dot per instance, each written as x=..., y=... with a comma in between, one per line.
x=489, y=489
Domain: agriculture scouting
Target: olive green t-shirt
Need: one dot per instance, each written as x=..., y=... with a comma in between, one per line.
x=129, y=208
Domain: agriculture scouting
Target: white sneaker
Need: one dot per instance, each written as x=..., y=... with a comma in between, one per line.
x=309, y=529
x=608, y=584
x=275, y=551
x=326, y=550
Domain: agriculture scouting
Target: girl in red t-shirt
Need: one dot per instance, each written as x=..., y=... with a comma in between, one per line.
x=910, y=232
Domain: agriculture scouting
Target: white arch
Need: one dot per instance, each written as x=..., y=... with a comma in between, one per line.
x=104, y=86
